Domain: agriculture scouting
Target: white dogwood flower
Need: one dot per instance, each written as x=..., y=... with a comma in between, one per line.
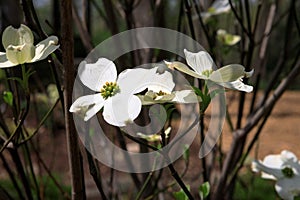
x=19, y=47
x=285, y=169
x=217, y=8
x=229, y=76
x=115, y=94
x=227, y=38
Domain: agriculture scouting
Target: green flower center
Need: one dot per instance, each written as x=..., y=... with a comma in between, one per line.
x=161, y=93
x=287, y=172
x=207, y=72
x=109, y=89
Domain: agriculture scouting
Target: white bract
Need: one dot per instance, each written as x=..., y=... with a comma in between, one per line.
x=154, y=137
x=19, y=47
x=115, y=94
x=161, y=91
x=229, y=76
x=227, y=38
x=285, y=168
x=217, y=8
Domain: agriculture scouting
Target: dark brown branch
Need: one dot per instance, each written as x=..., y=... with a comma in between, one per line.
x=67, y=44
x=240, y=134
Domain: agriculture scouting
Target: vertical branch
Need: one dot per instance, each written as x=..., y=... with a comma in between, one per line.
x=72, y=138
x=188, y=10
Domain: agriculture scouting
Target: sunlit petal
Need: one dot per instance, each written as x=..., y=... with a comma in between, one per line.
x=199, y=62
x=4, y=62
x=45, y=48
x=132, y=81
x=20, y=54
x=87, y=106
x=17, y=36
x=274, y=173
x=228, y=73
x=121, y=110
x=95, y=75
x=162, y=82
x=185, y=69
x=237, y=85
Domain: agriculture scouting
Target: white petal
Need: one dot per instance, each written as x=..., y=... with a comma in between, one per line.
x=268, y=172
x=228, y=73
x=95, y=75
x=45, y=48
x=200, y=61
x=237, y=85
x=88, y=105
x=185, y=69
x=290, y=159
x=185, y=96
x=17, y=36
x=162, y=82
x=221, y=6
x=121, y=110
x=288, y=188
x=132, y=81
x=273, y=161
x=249, y=74
x=4, y=62
x=288, y=156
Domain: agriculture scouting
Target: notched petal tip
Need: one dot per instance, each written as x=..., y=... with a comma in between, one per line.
x=249, y=74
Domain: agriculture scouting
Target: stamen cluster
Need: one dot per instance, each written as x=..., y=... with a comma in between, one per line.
x=109, y=89
x=287, y=172
x=207, y=73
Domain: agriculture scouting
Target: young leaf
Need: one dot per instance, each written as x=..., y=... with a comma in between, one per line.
x=186, y=153
x=180, y=195
x=204, y=190
x=8, y=97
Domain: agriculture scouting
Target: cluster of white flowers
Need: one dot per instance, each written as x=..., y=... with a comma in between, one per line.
x=117, y=95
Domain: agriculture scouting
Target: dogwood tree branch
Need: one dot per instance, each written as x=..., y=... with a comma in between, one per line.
x=252, y=121
x=67, y=45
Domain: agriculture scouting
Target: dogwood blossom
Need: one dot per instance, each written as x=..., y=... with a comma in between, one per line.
x=19, y=47
x=227, y=38
x=229, y=76
x=218, y=7
x=115, y=94
x=285, y=169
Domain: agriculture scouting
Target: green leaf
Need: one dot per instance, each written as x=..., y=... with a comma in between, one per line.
x=186, y=153
x=180, y=195
x=204, y=190
x=216, y=92
x=8, y=97
x=197, y=91
x=169, y=109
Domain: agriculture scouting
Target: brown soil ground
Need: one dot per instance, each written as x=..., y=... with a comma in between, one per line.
x=281, y=131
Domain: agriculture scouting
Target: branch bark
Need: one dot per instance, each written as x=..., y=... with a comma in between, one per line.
x=67, y=45
x=240, y=134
